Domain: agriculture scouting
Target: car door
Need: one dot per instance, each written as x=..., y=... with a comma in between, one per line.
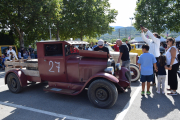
x=51, y=64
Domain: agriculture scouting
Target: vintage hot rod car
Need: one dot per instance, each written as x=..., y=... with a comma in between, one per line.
x=133, y=65
x=70, y=73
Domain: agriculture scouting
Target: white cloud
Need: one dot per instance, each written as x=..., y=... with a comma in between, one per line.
x=126, y=9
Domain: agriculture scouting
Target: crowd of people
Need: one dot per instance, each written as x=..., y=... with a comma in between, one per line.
x=152, y=64
x=10, y=54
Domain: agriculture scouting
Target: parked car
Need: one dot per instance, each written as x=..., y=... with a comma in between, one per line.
x=133, y=66
x=70, y=73
x=137, y=48
x=4, y=47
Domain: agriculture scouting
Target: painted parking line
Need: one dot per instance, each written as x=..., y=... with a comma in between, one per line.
x=43, y=111
x=121, y=115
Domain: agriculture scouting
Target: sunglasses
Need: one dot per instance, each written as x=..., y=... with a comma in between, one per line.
x=167, y=41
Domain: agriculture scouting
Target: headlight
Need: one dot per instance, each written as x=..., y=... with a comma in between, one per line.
x=118, y=66
x=110, y=70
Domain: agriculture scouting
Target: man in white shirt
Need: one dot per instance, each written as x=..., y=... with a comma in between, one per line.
x=11, y=50
x=154, y=44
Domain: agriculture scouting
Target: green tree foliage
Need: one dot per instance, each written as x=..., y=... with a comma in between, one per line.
x=91, y=41
x=81, y=18
x=151, y=14
x=27, y=17
x=173, y=18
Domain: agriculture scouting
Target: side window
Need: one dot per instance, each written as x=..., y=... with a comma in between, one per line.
x=71, y=49
x=53, y=50
x=132, y=47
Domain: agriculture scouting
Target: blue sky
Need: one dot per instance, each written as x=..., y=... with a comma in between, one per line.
x=126, y=9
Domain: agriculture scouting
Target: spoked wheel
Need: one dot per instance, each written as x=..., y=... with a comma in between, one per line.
x=13, y=83
x=102, y=93
x=135, y=69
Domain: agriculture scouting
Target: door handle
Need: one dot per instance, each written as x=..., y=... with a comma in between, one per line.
x=45, y=60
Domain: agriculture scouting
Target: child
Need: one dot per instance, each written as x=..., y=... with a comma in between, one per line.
x=146, y=62
x=11, y=56
x=161, y=73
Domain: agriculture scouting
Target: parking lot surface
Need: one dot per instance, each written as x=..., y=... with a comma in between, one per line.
x=35, y=104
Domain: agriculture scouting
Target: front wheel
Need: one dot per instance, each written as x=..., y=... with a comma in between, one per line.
x=135, y=69
x=102, y=93
x=13, y=83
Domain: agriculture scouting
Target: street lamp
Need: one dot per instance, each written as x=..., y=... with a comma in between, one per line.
x=131, y=25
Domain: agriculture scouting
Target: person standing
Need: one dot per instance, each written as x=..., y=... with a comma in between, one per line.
x=128, y=45
x=19, y=54
x=116, y=47
x=102, y=48
x=161, y=74
x=22, y=51
x=105, y=43
x=146, y=62
x=172, y=66
x=13, y=52
x=124, y=56
x=31, y=52
x=95, y=45
x=154, y=44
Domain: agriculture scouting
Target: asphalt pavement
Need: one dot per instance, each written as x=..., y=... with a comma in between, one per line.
x=35, y=104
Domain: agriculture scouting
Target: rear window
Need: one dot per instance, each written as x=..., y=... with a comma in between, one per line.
x=3, y=49
x=53, y=50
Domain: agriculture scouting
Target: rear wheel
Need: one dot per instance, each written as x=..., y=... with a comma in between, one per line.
x=102, y=93
x=135, y=69
x=13, y=83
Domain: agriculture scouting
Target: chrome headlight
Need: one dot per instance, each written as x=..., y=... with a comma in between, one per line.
x=110, y=70
x=118, y=66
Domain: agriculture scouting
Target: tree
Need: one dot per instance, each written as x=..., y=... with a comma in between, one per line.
x=27, y=17
x=85, y=18
x=152, y=14
x=91, y=41
x=173, y=18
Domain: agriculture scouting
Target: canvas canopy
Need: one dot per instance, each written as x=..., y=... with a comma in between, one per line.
x=177, y=39
x=140, y=40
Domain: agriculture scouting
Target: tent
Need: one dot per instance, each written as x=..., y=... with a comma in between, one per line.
x=177, y=39
x=140, y=40
x=137, y=40
x=163, y=39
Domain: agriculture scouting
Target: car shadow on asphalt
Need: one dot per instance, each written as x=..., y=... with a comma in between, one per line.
x=79, y=106
x=157, y=105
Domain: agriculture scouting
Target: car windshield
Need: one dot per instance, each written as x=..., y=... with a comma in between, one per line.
x=110, y=48
x=3, y=49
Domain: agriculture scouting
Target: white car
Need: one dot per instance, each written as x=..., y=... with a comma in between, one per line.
x=133, y=65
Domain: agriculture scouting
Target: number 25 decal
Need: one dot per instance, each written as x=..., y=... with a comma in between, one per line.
x=58, y=67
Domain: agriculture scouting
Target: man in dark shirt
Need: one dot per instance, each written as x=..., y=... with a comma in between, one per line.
x=101, y=48
x=22, y=51
x=31, y=52
x=124, y=55
x=129, y=46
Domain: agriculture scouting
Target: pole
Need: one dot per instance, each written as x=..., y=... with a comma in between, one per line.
x=131, y=25
x=50, y=31
x=119, y=33
x=125, y=33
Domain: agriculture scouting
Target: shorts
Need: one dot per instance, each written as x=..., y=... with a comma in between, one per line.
x=148, y=78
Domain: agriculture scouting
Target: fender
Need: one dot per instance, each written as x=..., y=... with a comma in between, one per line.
x=20, y=74
x=99, y=75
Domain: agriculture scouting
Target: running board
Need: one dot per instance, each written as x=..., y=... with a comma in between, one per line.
x=61, y=91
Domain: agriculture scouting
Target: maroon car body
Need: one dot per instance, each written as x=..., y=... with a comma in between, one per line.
x=70, y=73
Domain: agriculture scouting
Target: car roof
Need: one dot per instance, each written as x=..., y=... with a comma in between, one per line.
x=69, y=42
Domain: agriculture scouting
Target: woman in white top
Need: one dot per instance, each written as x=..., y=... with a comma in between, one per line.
x=172, y=66
x=154, y=45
